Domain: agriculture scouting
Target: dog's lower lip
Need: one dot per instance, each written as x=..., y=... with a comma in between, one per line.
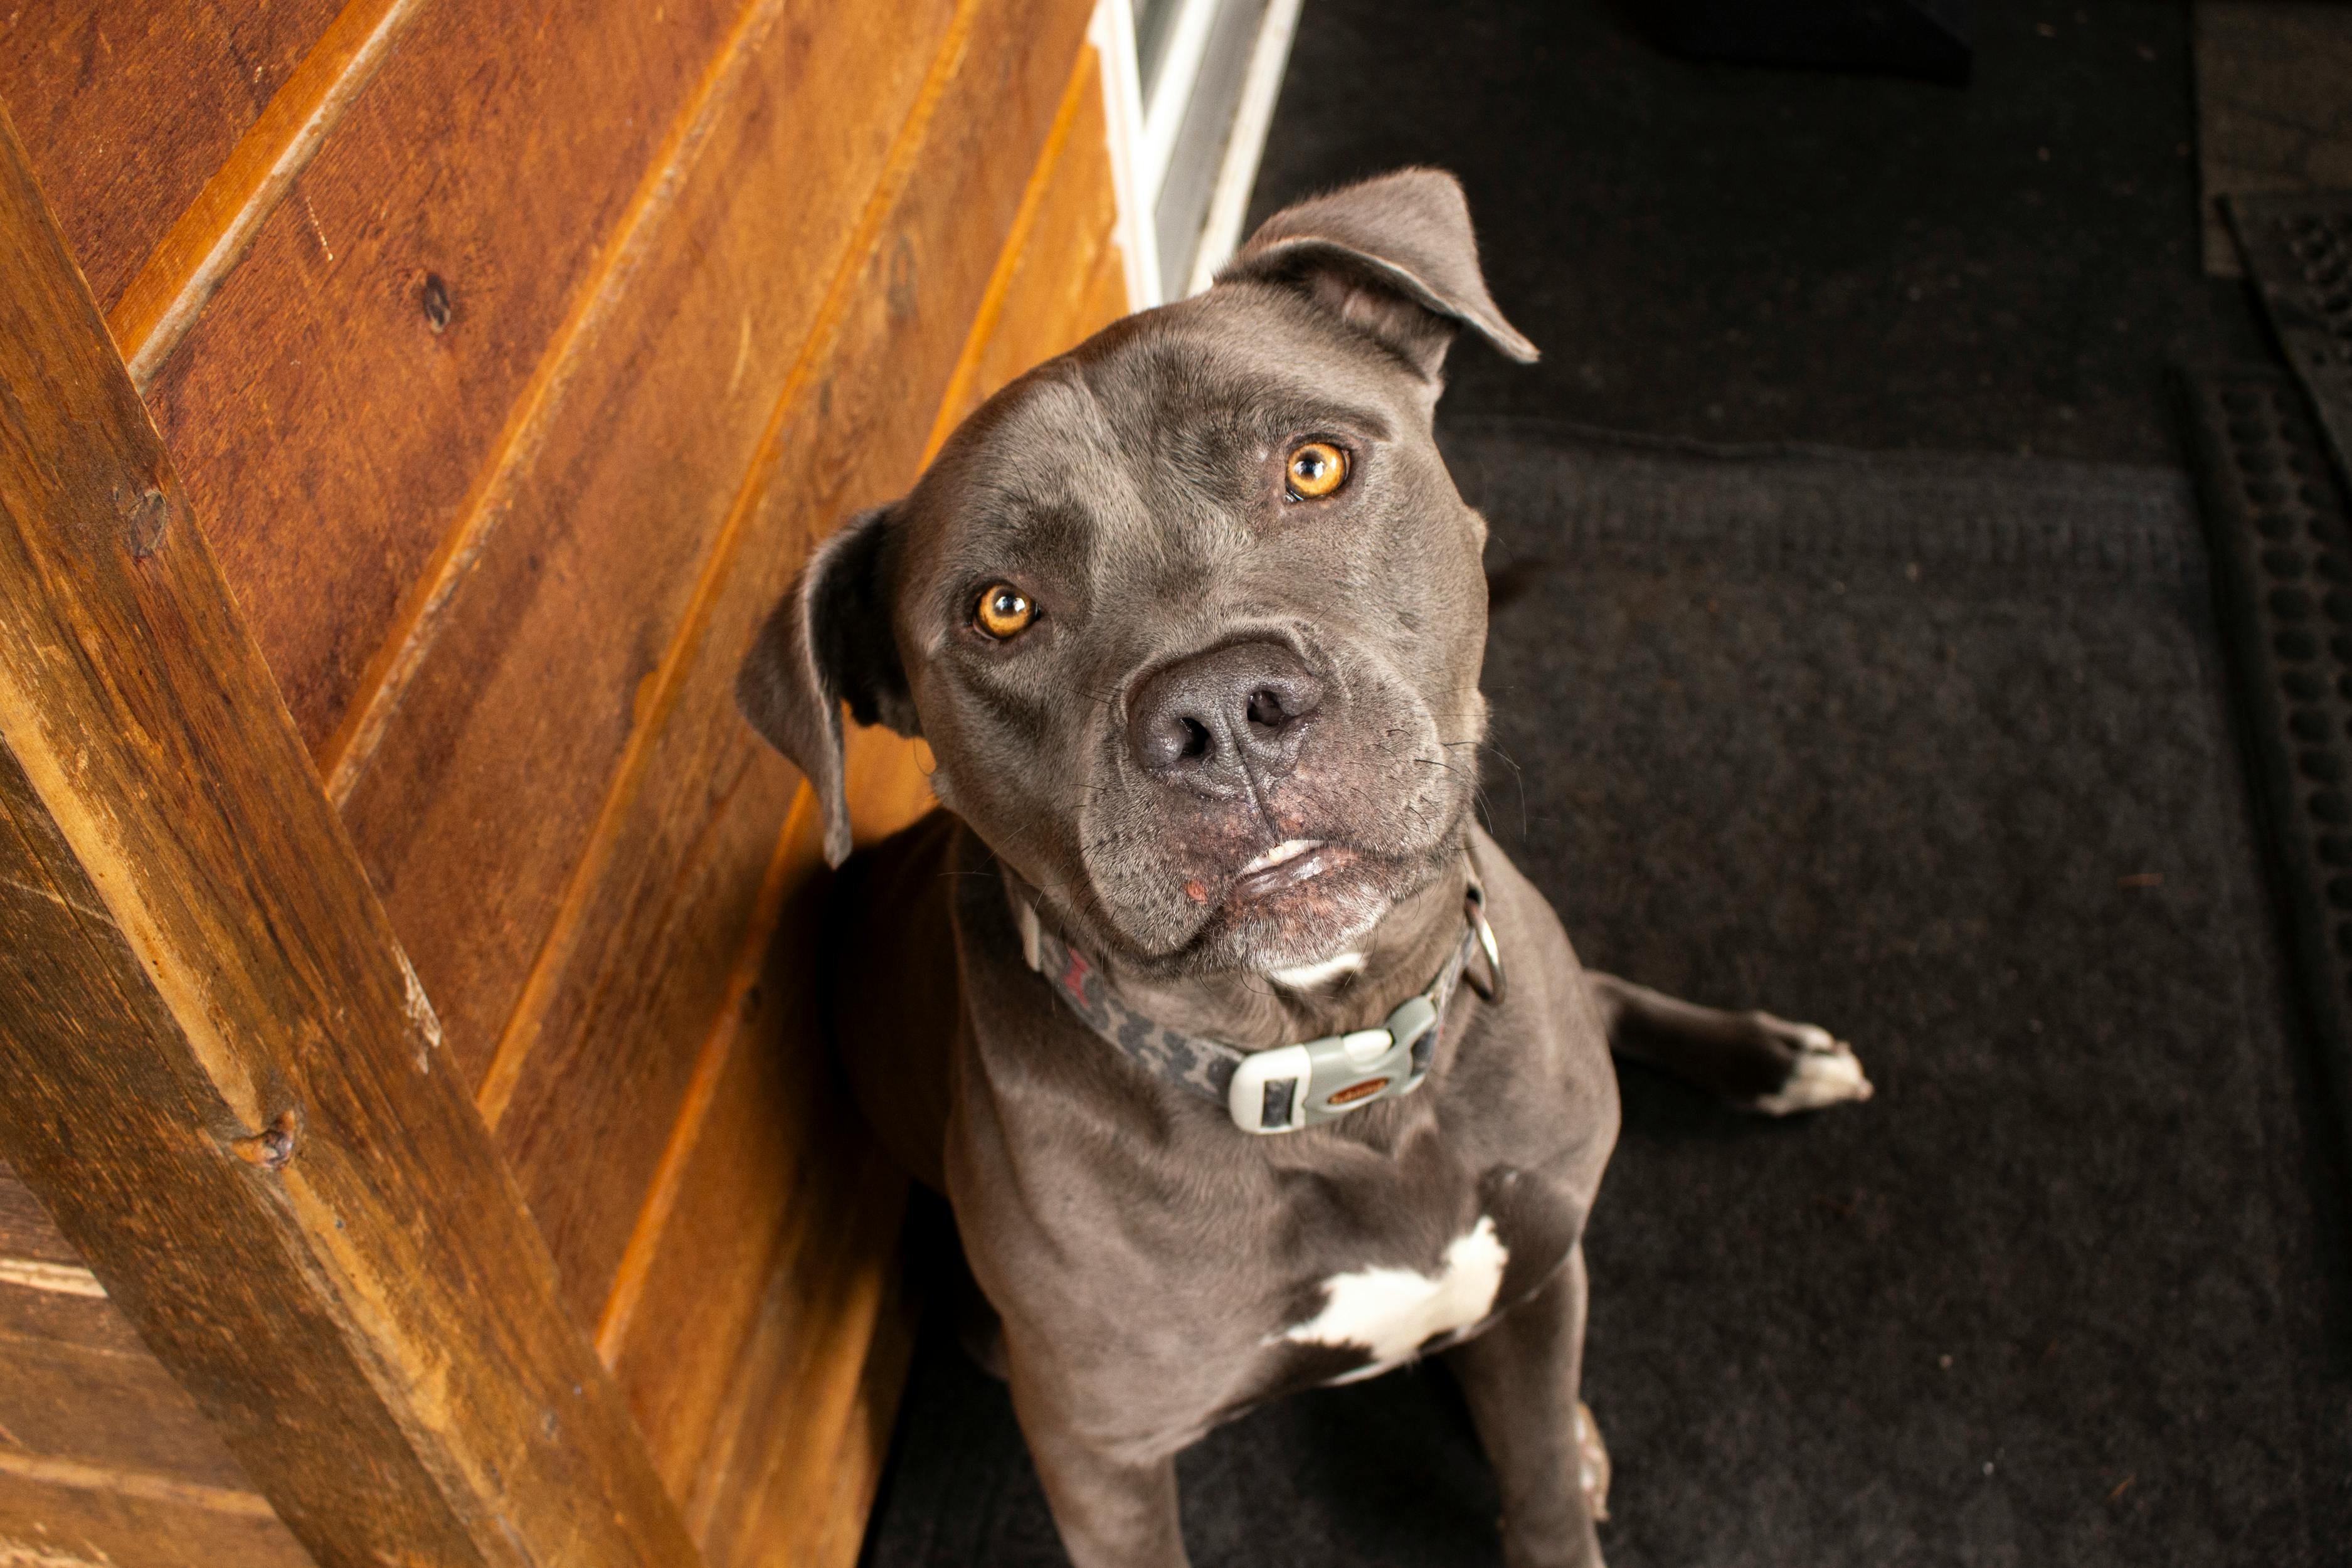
x=1267, y=875
x=1289, y=848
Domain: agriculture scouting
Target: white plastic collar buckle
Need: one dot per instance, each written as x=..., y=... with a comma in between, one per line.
x=1291, y=1087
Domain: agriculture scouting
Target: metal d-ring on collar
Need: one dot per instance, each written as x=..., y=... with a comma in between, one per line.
x=1286, y=1088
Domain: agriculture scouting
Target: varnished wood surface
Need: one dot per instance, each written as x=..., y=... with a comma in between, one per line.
x=110, y=1405
x=223, y=1084
x=696, y=800
x=474, y=804
x=55, y=1514
x=211, y=235
x=128, y=106
x=27, y=1231
x=1042, y=304
x=503, y=539
x=336, y=403
x=697, y=1267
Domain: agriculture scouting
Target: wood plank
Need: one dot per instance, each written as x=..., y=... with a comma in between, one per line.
x=707, y=1243
x=118, y=1409
x=127, y=107
x=224, y=1083
x=58, y=1514
x=46, y=1292
x=66, y=1316
x=830, y=1529
x=696, y=801
x=26, y=1229
x=1105, y=299
x=334, y=405
x=702, y=1253
x=1043, y=307
x=208, y=240
x=472, y=805
x=804, y=1405
x=695, y=1254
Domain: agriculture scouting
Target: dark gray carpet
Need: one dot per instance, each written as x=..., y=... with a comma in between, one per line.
x=1935, y=752
x=1751, y=254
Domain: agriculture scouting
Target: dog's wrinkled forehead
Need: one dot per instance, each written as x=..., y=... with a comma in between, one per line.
x=1152, y=437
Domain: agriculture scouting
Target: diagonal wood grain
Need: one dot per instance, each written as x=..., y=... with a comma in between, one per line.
x=624, y=985
x=208, y=240
x=334, y=406
x=127, y=108
x=704, y=1249
x=224, y=1083
x=58, y=1514
x=473, y=802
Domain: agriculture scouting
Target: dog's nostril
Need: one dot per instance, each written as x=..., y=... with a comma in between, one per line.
x=1265, y=708
x=1196, y=739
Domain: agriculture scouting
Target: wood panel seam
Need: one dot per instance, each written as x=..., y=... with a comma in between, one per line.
x=516, y=1041
x=207, y=241
x=1008, y=260
x=661, y=1199
x=405, y=646
x=662, y=1195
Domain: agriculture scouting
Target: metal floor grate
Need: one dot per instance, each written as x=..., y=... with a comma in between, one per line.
x=2275, y=512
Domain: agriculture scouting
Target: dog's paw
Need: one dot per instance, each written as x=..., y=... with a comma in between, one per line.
x=1591, y=1464
x=1822, y=1070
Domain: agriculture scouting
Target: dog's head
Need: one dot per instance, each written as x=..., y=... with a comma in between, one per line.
x=1191, y=616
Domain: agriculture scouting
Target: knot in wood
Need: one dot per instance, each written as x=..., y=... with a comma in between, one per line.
x=145, y=516
x=435, y=301
x=272, y=1148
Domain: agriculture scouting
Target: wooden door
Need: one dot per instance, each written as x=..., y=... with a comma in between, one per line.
x=407, y=1051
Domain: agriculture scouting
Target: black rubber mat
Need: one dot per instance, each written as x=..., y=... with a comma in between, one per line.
x=2298, y=252
x=1937, y=752
x=2274, y=511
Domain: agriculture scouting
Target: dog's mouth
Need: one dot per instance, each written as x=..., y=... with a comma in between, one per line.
x=1287, y=864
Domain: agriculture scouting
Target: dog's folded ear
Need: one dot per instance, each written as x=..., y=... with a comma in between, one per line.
x=828, y=642
x=1393, y=257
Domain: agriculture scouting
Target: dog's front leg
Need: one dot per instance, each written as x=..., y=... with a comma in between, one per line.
x=1752, y=1059
x=1113, y=1510
x=1520, y=1379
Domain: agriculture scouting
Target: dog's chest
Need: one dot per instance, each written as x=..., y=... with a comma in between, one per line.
x=1407, y=1271
x=1389, y=1314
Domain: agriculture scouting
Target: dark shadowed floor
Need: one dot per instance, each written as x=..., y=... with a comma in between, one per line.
x=1933, y=746
x=1750, y=254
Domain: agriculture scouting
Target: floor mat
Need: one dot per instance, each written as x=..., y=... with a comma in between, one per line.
x=2273, y=116
x=1935, y=752
x=2298, y=249
x=1746, y=253
x=2276, y=517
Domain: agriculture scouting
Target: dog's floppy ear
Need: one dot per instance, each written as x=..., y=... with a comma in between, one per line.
x=1393, y=256
x=827, y=642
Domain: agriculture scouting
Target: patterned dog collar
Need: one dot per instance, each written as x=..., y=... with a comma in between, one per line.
x=1286, y=1088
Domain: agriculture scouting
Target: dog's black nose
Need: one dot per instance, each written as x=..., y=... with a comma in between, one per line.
x=1211, y=721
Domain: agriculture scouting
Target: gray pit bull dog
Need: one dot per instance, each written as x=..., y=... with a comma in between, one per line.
x=1244, y=1058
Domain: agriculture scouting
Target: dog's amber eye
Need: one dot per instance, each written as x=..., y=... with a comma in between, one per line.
x=1316, y=470
x=1003, y=611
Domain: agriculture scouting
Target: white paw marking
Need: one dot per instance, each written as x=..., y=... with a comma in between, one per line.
x=1591, y=1464
x=1827, y=1073
x=1391, y=1312
x=1314, y=976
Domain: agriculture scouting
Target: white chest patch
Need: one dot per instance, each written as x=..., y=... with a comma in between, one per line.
x=1390, y=1312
